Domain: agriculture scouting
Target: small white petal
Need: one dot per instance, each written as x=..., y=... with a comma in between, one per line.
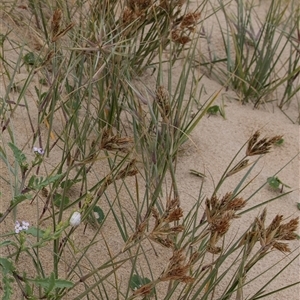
x=75, y=219
x=38, y=150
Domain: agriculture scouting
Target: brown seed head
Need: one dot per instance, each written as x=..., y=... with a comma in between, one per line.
x=177, y=268
x=55, y=23
x=138, y=5
x=175, y=215
x=163, y=100
x=178, y=37
x=236, y=204
x=128, y=16
x=242, y=165
x=292, y=225
x=259, y=147
x=213, y=249
x=144, y=290
x=220, y=226
x=283, y=247
x=275, y=223
x=164, y=242
x=190, y=20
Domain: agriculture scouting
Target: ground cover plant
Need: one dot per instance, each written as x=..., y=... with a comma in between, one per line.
x=105, y=119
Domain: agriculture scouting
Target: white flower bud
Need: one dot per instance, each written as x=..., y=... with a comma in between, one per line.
x=38, y=150
x=75, y=219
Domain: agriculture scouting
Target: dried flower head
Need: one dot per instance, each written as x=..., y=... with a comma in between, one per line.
x=163, y=100
x=177, y=268
x=240, y=166
x=190, y=20
x=129, y=170
x=236, y=204
x=175, y=215
x=55, y=23
x=282, y=247
x=178, y=37
x=214, y=250
x=270, y=236
x=144, y=290
x=259, y=147
x=128, y=16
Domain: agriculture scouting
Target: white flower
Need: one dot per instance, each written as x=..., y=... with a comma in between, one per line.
x=75, y=219
x=38, y=150
x=25, y=225
x=21, y=226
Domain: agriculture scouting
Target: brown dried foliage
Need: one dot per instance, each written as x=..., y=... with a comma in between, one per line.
x=270, y=236
x=262, y=146
x=219, y=214
x=163, y=100
x=189, y=21
x=177, y=268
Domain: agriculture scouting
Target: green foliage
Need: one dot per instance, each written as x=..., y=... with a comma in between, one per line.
x=275, y=183
x=99, y=214
x=213, y=110
x=30, y=59
x=7, y=269
x=19, y=157
x=37, y=183
x=254, y=64
x=136, y=281
x=61, y=201
x=51, y=283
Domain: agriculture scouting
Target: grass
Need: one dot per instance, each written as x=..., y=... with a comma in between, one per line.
x=255, y=62
x=106, y=118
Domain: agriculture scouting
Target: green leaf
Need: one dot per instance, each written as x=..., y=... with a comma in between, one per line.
x=7, y=287
x=20, y=198
x=66, y=184
x=274, y=182
x=58, y=198
x=2, y=39
x=36, y=232
x=298, y=205
x=99, y=214
x=213, y=110
x=7, y=265
x=58, y=283
x=279, y=142
x=37, y=183
x=136, y=281
x=30, y=59
x=8, y=243
x=51, y=282
x=19, y=155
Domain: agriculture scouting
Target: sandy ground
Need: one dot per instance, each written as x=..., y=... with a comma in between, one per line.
x=211, y=147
